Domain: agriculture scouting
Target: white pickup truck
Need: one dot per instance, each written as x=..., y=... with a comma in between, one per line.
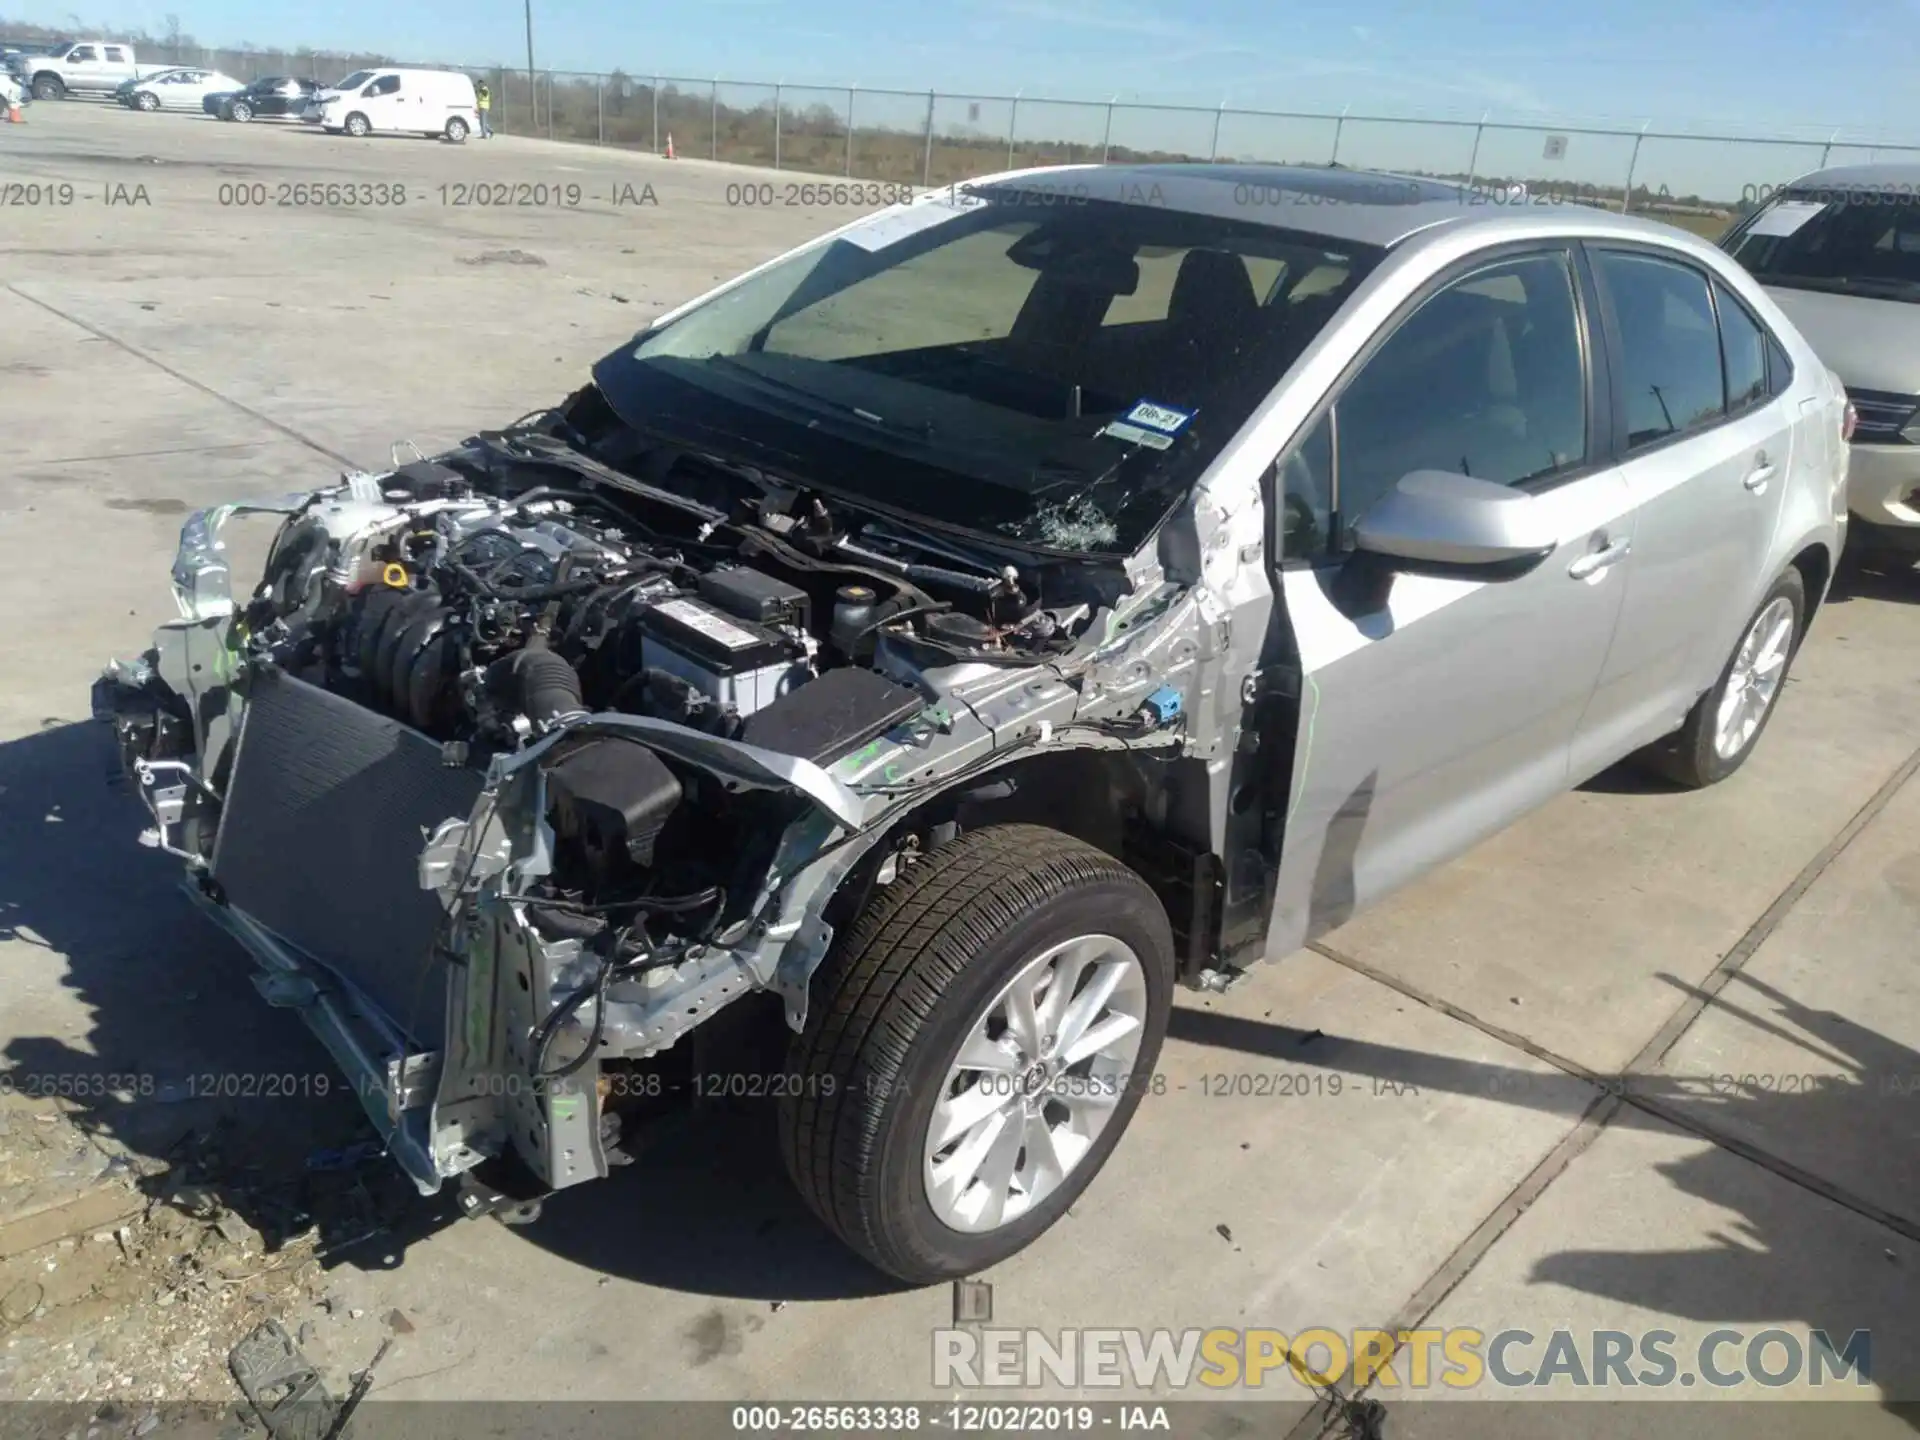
x=81, y=67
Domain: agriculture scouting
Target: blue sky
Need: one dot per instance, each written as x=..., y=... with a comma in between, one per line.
x=1747, y=67
x=1751, y=63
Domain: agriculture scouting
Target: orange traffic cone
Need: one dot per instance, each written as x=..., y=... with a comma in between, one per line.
x=14, y=117
x=669, y=145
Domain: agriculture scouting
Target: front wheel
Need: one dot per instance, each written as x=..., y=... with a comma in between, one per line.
x=146, y=100
x=240, y=110
x=49, y=87
x=456, y=130
x=357, y=126
x=1726, y=723
x=980, y=1037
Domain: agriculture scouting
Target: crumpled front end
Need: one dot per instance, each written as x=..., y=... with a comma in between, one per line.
x=506, y=790
x=427, y=912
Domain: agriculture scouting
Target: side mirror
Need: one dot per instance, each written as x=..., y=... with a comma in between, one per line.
x=1436, y=517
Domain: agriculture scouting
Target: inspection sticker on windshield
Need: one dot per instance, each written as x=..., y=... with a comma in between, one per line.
x=1149, y=424
x=1786, y=217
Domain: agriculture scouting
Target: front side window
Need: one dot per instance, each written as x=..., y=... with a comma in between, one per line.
x=81, y=55
x=1485, y=379
x=1669, y=345
x=1051, y=372
x=1303, y=489
x=385, y=85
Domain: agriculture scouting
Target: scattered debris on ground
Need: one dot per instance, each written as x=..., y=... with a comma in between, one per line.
x=503, y=257
x=206, y=1249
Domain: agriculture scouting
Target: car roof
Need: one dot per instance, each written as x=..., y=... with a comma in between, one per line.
x=1850, y=177
x=1366, y=207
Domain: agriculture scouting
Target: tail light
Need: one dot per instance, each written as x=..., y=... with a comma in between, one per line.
x=1849, y=423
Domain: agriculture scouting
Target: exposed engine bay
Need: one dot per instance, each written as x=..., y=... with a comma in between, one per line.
x=578, y=736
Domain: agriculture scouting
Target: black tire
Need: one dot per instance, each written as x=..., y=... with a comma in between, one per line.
x=240, y=110
x=356, y=125
x=49, y=87
x=1688, y=757
x=146, y=100
x=890, y=1005
x=457, y=130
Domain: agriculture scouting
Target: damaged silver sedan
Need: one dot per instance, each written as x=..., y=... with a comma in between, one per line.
x=957, y=633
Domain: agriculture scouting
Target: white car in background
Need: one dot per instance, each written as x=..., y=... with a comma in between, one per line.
x=438, y=103
x=182, y=89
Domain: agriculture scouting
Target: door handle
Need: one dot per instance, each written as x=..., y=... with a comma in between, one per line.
x=1595, y=561
x=1761, y=473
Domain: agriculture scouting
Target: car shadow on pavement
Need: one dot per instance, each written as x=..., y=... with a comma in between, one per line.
x=1875, y=577
x=220, y=1101
x=1763, y=1268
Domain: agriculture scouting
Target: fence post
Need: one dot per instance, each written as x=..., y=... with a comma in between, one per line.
x=1106, y=136
x=600, y=104
x=1213, y=148
x=549, y=104
x=776, y=124
x=1827, y=149
x=926, y=162
x=713, y=143
x=1338, y=126
x=656, y=114
x=1473, y=160
x=850, y=90
x=1633, y=161
x=1013, y=119
x=533, y=99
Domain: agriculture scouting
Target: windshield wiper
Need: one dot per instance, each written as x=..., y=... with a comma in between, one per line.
x=814, y=400
x=1847, y=285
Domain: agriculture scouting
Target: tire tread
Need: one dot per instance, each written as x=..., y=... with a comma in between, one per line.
x=879, y=987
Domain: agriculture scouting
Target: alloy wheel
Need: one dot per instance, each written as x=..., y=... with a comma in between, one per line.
x=1753, y=682
x=1035, y=1081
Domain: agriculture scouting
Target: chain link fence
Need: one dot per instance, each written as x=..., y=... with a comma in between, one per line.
x=935, y=138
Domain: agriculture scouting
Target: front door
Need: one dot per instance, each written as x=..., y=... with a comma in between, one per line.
x=1436, y=707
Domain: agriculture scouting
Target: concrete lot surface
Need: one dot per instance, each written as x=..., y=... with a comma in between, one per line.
x=1648, y=1061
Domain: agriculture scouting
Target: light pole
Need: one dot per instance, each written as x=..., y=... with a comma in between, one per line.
x=533, y=85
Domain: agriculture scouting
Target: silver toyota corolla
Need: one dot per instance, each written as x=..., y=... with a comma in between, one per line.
x=955, y=633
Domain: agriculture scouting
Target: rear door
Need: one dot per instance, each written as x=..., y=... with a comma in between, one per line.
x=1437, y=705
x=1706, y=450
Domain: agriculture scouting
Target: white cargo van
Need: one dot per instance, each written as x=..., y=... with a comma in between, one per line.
x=403, y=102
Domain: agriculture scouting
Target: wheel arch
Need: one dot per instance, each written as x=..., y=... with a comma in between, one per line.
x=1815, y=564
x=1140, y=812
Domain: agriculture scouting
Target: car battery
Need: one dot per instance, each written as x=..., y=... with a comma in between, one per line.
x=734, y=661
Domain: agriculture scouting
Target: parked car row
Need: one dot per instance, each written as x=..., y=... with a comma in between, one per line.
x=398, y=100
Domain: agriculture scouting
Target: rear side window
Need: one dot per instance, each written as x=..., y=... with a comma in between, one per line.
x=115, y=55
x=1743, y=347
x=1779, y=368
x=1669, y=345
